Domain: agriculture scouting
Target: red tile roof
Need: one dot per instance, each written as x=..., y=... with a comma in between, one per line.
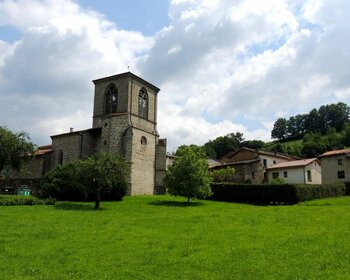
x=294, y=163
x=335, y=153
x=43, y=150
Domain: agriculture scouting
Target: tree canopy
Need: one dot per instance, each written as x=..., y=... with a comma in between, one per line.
x=99, y=177
x=14, y=148
x=327, y=116
x=188, y=176
x=223, y=144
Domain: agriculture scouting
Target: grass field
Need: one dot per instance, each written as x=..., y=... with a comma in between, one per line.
x=160, y=237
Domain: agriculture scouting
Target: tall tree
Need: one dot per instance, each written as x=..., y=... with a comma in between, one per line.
x=279, y=130
x=14, y=148
x=296, y=126
x=313, y=121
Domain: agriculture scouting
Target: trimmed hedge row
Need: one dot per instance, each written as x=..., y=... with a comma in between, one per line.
x=10, y=200
x=276, y=194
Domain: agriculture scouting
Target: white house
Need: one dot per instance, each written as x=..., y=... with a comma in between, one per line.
x=305, y=171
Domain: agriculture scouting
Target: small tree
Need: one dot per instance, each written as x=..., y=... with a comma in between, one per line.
x=100, y=177
x=188, y=176
x=105, y=173
x=14, y=147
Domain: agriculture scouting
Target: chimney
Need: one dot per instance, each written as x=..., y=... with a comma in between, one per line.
x=71, y=129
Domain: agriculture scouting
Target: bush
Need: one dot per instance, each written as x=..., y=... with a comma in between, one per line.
x=65, y=183
x=9, y=200
x=99, y=177
x=347, y=188
x=223, y=175
x=274, y=194
x=277, y=181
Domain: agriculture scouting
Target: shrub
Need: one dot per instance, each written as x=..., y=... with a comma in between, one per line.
x=223, y=175
x=347, y=188
x=277, y=181
x=9, y=200
x=101, y=176
x=275, y=194
x=65, y=183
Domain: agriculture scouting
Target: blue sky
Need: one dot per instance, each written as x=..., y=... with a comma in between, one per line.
x=146, y=16
x=223, y=66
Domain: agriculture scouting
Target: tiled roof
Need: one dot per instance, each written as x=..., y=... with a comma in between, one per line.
x=43, y=150
x=293, y=163
x=259, y=152
x=234, y=163
x=335, y=152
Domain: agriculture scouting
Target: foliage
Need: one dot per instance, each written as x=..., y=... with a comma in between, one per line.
x=183, y=149
x=346, y=136
x=277, y=181
x=105, y=175
x=66, y=183
x=222, y=145
x=275, y=194
x=327, y=116
x=188, y=175
x=10, y=200
x=279, y=130
x=168, y=239
x=314, y=144
x=223, y=175
x=101, y=176
x=252, y=144
x=14, y=147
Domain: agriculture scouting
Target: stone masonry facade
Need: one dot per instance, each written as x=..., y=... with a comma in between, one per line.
x=124, y=122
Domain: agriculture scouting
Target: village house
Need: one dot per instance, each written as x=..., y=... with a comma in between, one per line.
x=304, y=171
x=124, y=122
x=335, y=166
x=250, y=165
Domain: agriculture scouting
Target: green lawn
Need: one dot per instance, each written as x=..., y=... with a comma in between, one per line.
x=159, y=237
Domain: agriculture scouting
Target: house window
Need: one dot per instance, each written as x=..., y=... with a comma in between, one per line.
x=275, y=175
x=341, y=174
x=340, y=161
x=111, y=99
x=265, y=162
x=274, y=162
x=143, y=103
x=309, y=178
x=285, y=174
x=60, y=157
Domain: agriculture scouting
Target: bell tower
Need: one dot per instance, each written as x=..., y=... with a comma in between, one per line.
x=125, y=109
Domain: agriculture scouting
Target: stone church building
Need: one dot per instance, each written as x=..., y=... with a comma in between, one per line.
x=124, y=122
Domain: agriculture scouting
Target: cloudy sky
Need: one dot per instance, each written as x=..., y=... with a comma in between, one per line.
x=222, y=65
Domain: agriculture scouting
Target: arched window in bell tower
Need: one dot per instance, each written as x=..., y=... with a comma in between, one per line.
x=143, y=103
x=111, y=99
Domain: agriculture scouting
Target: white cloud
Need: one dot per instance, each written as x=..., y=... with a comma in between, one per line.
x=223, y=66
x=46, y=75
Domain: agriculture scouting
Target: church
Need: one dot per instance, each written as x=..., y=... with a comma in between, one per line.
x=124, y=122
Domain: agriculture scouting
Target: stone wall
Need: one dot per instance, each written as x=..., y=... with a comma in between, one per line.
x=160, y=166
x=143, y=162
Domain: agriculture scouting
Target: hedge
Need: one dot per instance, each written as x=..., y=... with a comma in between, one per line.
x=276, y=194
x=10, y=200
